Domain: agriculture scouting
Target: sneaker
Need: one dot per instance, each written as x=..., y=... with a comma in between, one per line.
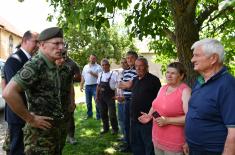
x=71, y=140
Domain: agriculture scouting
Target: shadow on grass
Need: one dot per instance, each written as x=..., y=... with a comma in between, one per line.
x=90, y=142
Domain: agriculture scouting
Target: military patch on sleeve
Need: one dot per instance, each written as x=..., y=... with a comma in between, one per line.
x=26, y=73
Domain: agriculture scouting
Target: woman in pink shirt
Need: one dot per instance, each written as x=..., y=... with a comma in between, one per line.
x=168, y=113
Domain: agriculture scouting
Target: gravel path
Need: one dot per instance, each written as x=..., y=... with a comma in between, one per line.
x=3, y=126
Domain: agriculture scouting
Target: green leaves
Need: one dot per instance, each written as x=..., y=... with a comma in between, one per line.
x=226, y=3
x=104, y=43
x=174, y=25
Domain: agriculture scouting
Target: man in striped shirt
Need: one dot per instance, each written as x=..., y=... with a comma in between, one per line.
x=128, y=76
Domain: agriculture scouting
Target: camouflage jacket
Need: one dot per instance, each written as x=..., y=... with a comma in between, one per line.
x=41, y=81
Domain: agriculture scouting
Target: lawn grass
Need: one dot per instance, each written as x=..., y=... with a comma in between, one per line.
x=90, y=142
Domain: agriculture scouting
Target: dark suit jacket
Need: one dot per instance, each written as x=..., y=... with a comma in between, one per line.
x=13, y=64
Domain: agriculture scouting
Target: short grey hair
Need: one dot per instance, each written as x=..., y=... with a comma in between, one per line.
x=144, y=60
x=104, y=60
x=210, y=46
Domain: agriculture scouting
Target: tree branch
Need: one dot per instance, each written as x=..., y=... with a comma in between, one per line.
x=222, y=26
x=222, y=12
x=206, y=13
x=170, y=35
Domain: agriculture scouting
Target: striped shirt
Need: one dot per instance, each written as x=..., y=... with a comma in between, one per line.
x=128, y=75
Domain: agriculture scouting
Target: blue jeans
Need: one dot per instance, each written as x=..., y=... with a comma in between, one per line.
x=90, y=90
x=195, y=152
x=16, y=139
x=127, y=119
x=141, y=138
x=121, y=117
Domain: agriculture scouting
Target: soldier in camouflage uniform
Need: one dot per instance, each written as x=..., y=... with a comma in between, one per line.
x=40, y=80
x=67, y=95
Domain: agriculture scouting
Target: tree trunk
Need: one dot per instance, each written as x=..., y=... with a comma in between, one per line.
x=186, y=32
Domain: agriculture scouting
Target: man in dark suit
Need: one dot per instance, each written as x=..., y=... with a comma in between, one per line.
x=13, y=64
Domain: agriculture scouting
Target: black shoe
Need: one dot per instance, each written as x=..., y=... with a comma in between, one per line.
x=104, y=132
x=125, y=149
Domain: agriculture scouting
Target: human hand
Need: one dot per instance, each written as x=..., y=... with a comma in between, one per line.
x=161, y=121
x=92, y=73
x=120, y=85
x=186, y=149
x=41, y=122
x=119, y=98
x=81, y=88
x=144, y=118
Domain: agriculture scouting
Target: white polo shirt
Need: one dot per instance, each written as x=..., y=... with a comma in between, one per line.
x=89, y=79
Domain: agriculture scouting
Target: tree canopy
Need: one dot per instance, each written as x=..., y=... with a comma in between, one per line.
x=174, y=25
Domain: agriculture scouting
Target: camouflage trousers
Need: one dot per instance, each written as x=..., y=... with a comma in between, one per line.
x=42, y=142
x=6, y=143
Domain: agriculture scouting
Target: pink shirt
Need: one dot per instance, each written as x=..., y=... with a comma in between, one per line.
x=169, y=137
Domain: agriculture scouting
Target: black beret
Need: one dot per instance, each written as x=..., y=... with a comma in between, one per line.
x=53, y=32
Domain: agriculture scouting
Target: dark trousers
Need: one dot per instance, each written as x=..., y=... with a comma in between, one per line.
x=71, y=125
x=141, y=139
x=195, y=152
x=108, y=112
x=90, y=90
x=16, y=139
x=127, y=120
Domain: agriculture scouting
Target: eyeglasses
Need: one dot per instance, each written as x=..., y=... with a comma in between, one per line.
x=56, y=43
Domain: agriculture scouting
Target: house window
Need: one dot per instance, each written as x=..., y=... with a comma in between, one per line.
x=10, y=44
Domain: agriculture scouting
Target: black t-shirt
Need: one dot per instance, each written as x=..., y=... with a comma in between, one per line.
x=144, y=91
